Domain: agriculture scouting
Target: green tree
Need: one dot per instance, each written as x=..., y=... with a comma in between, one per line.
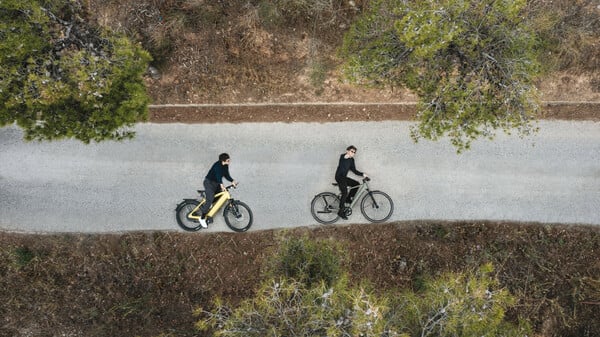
x=471, y=63
x=453, y=304
x=458, y=304
x=60, y=77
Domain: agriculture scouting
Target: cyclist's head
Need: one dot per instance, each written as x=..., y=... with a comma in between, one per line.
x=223, y=157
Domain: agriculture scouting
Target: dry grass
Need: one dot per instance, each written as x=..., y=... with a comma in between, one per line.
x=570, y=31
x=147, y=284
x=266, y=50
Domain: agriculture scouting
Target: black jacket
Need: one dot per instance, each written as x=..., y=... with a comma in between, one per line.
x=344, y=166
x=217, y=172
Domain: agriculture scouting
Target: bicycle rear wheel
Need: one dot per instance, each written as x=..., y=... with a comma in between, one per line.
x=238, y=216
x=181, y=213
x=324, y=207
x=377, y=206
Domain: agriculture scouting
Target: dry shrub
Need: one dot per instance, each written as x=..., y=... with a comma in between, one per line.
x=249, y=51
x=570, y=31
x=253, y=37
x=142, y=284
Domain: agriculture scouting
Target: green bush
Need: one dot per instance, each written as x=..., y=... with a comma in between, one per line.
x=288, y=308
x=23, y=255
x=454, y=304
x=306, y=294
x=457, y=304
x=306, y=261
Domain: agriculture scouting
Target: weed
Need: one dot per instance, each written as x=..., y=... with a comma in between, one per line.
x=307, y=261
x=24, y=256
x=269, y=14
x=317, y=75
x=440, y=232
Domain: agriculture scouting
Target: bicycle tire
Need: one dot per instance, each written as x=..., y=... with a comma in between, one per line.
x=238, y=216
x=324, y=207
x=377, y=206
x=181, y=213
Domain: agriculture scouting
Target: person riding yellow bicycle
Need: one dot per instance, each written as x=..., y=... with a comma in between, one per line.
x=213, y=183
x=194, y=214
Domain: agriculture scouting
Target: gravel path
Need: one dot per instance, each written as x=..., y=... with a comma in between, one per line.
x=67, y=186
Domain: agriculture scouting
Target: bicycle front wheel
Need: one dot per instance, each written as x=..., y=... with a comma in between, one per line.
x=324, y=207
x=238, y=216
x=181, y=213
x=377, y=206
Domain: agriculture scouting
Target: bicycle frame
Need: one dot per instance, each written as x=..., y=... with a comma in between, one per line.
x=220, y=199
x=362, y=188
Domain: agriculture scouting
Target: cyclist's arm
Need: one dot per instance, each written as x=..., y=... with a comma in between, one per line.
x=226, y=174
x=355, y=171
x=228, y=177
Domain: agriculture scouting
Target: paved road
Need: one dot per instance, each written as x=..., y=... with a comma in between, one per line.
x=112, y=187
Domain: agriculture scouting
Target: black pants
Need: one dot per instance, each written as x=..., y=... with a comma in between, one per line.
x=210, y=188
x=343, y=184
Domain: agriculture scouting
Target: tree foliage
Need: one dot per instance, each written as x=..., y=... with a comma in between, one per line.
x=453, y=304
x=471, y=63
x=60, y=77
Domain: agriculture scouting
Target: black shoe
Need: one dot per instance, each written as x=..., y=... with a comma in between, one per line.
x=342, y=215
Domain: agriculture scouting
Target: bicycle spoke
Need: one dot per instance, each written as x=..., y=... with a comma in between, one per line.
x=377, y=206
x=238, y=216
x=324, y=207
x=183, y=212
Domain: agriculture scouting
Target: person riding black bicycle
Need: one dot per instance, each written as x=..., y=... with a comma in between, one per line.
x=346, y=164
x=213, y=183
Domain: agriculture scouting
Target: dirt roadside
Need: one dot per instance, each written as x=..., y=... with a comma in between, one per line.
x=332, y=112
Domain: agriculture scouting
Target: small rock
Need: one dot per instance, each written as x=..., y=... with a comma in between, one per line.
x=154, y=73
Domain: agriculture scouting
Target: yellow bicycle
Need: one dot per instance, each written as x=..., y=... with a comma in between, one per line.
x=237, y=214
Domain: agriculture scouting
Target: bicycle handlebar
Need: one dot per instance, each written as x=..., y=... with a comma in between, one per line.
x=230, y=186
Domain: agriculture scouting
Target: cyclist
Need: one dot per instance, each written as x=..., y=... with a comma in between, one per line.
x=346, y=164
x=213, y=183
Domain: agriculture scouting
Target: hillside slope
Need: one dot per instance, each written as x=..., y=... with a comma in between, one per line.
x=252, y=51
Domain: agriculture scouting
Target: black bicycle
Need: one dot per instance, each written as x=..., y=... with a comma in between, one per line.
x=375, y=206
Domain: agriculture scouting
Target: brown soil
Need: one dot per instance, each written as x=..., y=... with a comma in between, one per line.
x=148, y=284
x=336, y=112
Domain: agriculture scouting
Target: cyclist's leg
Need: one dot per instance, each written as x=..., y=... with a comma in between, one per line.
x=210, y=188
x=343, y=185
x=352, y=184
